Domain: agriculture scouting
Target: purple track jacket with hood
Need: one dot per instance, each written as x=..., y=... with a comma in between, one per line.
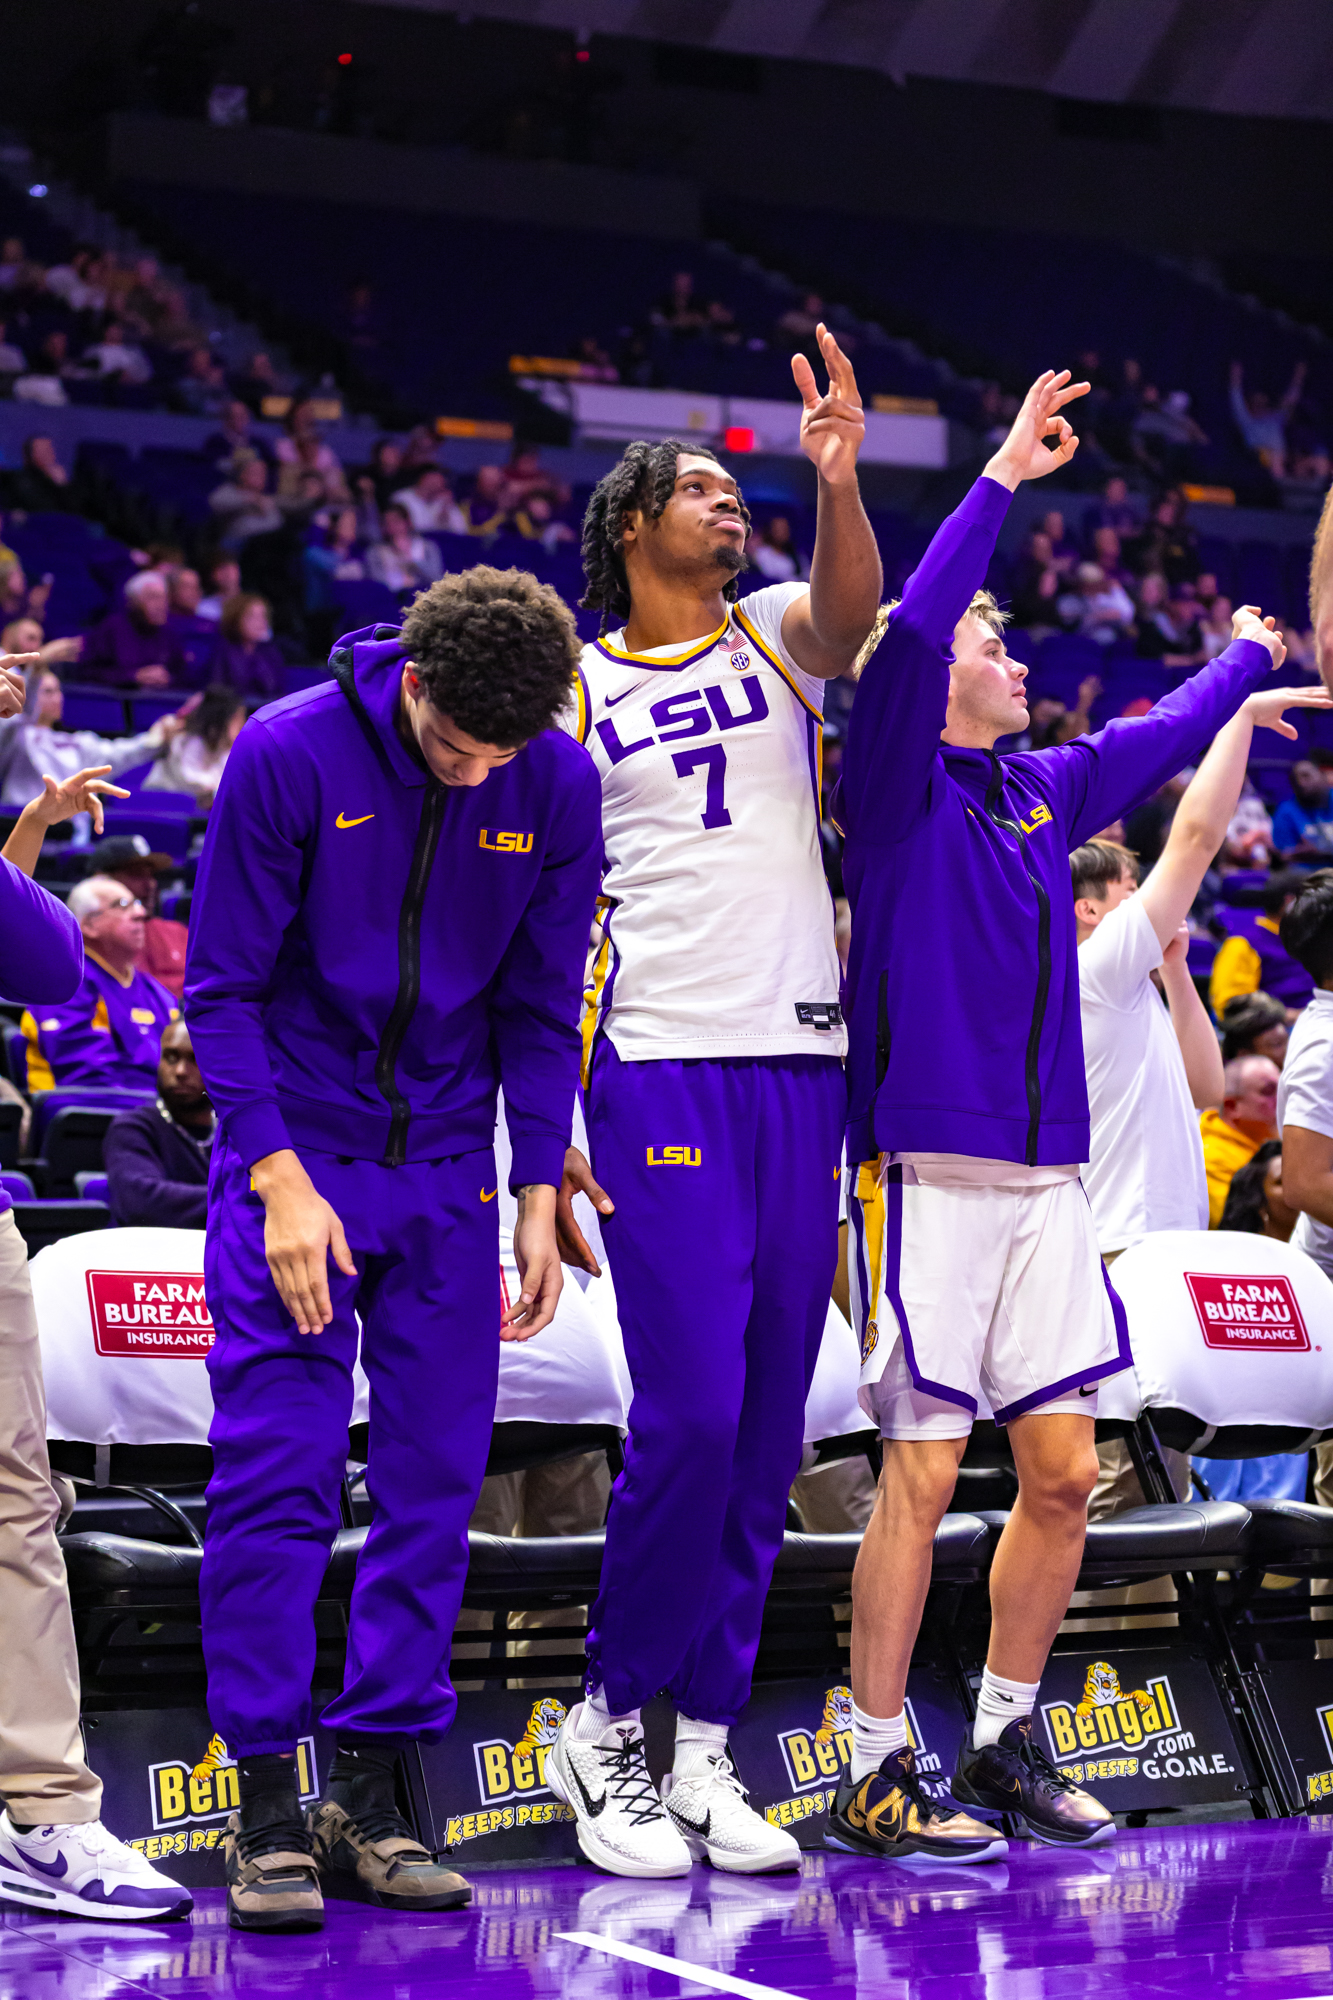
x=962, y=984
x=372, y=952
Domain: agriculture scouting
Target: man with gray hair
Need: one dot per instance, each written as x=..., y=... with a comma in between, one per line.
x=108, y=1036
x=136, y=647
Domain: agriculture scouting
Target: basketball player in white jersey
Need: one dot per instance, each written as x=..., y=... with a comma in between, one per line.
x=715, y=1101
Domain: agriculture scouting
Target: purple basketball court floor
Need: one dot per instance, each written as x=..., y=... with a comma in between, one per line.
x=1217, y=1910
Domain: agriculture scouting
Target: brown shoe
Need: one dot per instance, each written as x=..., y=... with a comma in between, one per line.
x=275, y=1888
x=378, y=1849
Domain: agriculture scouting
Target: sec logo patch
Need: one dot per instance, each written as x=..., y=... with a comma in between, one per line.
x=740, y=661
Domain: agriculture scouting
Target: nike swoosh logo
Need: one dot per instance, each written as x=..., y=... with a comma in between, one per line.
x=591, y=1809
x=491, y=1196
x=1089, y=1392
x=611, y=700
x=55, y=1868
x=343, y=821
x=696, y=1826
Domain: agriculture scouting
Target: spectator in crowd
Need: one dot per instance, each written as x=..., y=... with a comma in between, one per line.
x=13, y=361
x=485, y=508
x=196, y=759
x=1147, y=826
x=126, y=858
x=682, y=310
x=1049, y=721
x=246, y=656
x=1114, y=510
x=1254, y=1024
x=773, y=551
x=136, y=647
x=1164, y=437
x=1262, y=424
x=525, y=477
x=258, y=379
x=224, y=579
x=1257, y=1206
x=157, y=1155
x=332, y=559
x=233, y=434
x=1305, y=1096
x=1214, y=629
x=1166, y=543
x=194, y=635
x=535, y=521
x=430, y=505
x=116, y=359
x=1303, y=824
x=38, y=747
x=1064, y=549
x=202, y=390
x=1037, y=585
x=303, y=447
x=1099, y=607
x=25, y=635
x=243, y=505
x=1253, y=955
x=1249, y=841
x=1234, y=1134
x=422, y=448
x=1109, y=556
x=42, y=485
x=404, y=560
x=1159, y=634
x=108, y=1036
x=19, y=598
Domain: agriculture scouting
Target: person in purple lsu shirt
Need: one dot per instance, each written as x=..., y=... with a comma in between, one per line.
x=390, y=921
x=977, y=1266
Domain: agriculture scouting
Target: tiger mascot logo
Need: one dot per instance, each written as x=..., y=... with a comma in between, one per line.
x=837, y=1714
x=1102, y=1688
x=543, y=1724
x=216, y=1755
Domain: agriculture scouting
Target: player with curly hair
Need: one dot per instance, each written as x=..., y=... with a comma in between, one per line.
x=714, y=1096
x=390, y=919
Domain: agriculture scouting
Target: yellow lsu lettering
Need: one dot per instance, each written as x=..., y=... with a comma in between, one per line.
x=675, y=1156
x=496, y=842
x=1039, y=817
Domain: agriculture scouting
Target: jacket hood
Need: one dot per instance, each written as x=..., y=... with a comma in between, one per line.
x=375, y=655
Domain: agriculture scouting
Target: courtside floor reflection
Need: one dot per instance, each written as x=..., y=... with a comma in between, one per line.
x=1220, y=1909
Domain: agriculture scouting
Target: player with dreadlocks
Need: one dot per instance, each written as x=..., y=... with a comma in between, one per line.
x=715, y=1101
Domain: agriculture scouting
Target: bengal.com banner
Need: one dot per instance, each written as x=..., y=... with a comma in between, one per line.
x=160, y=1313
x=1150, y=1725
x=190, y=1804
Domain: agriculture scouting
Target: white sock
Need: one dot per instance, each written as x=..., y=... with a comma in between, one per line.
x=999, y=1703
x=592, y=1718
x=875, y=1737
x=696, y=1742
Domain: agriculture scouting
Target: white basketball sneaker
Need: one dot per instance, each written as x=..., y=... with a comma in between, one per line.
x=621, y=1824
x=85, y=1871
x=715, y=1818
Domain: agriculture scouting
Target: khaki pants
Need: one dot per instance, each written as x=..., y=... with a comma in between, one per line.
x=1116, y=1491
x=836, y=1499
x=43, y=1776
x=567, y=1498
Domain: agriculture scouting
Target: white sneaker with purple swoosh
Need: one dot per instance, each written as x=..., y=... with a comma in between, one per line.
x=85, y=1871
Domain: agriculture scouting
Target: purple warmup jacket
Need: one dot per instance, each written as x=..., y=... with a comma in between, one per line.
x=962, y=986
x=41, y=949
x=372, y=952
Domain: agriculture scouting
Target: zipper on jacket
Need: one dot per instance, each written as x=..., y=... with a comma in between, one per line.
x=1032, y=1069
x=409, y=972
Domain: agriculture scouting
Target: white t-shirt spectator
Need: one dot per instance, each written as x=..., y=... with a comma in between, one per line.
x=1146, y=1171
x=439, y=516
x=118, y=357
x=1305, y=1097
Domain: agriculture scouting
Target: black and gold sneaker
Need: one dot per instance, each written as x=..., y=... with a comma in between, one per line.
x=890, y=1814
x=1014, y=1776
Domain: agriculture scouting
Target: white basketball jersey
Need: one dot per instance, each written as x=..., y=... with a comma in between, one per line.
x=717, y=919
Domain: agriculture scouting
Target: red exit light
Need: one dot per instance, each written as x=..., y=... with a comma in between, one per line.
x=344, y=60
x=738, y=437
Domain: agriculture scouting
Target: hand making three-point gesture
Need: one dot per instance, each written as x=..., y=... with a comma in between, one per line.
x=832, y=426
x=1024, y=453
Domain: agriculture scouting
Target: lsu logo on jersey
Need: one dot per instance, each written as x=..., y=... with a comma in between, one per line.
x=1040, y=817
x=740, y=661
x=675, y=1156
x=504, y=843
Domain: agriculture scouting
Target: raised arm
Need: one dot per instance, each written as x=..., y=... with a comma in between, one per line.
x=893, y=736
x=1202, y=817
x=825, y=629
x=1100, y=778
x=1195, y=1034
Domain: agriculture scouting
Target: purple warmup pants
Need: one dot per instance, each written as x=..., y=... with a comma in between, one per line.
x=723, y=1269
x=426, y=1248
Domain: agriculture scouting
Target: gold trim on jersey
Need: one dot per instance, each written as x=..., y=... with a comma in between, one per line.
x=870, y=1194
x=773, y=661
x=695, y=650
x=583, y=699
x=592, y=993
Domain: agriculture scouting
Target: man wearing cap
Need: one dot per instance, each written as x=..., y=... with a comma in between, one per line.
x=127, y=858
x=109, y=1035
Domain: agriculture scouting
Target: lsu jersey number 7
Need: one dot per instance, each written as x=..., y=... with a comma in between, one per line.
x=717, y=923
